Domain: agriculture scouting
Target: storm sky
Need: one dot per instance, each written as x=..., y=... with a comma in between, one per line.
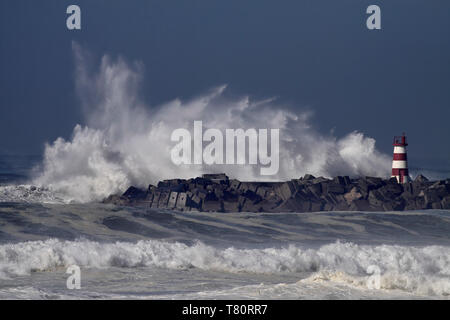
x=312, y=55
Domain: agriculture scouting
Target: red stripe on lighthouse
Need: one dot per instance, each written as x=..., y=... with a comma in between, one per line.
x=399, y=156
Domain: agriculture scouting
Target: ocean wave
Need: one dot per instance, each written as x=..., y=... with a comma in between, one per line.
x=124, y=142
x=31, y=194
x=419, y=270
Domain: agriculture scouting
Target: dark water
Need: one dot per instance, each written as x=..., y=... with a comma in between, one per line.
x=136, y=253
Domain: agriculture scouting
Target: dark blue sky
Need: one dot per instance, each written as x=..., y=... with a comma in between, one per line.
x=316, y=54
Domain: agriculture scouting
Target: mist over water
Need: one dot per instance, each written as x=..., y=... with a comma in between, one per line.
x=126, y=142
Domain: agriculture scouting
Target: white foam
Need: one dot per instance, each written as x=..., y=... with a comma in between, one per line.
x=424, y=271
x=30, y=194
x=124, y=142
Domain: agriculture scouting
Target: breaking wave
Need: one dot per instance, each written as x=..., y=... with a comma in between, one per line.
x=418, y=270
x=125, y=142
x=31, y=194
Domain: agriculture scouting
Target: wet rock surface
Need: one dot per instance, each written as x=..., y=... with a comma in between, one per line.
x=217, y=193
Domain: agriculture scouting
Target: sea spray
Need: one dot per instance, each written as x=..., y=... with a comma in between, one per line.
x=124, y=142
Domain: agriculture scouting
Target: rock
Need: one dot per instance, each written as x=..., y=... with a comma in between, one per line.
x=285, y=190
x=234, y=184
x=244, y=186
x=445, y=203
x=376, y=198
x=220, y=178
x=367, y=184
x=308, y=194
x=343, y=181
x=181, y=200
x=439, y=188
x=163, y=199
x=194, y=201
x=408, y=188
x=390, y=190
x=114, y=199
x=317, y=180
x=316, y=206
x=212, y=203
x=421, y=178
x=421, y=203
x=262, y=191
x=135, y=193
x=172, y=200
x=352, y=195
x=360, y=205
x=295, y=204
x=430, y=197
x=308, y=177
x=332, y=188
x=155, y=200
x=315, y=189
x=212, y=206
x=393, y=206
x=436, y=205
x=250, y=206
x=269, y=205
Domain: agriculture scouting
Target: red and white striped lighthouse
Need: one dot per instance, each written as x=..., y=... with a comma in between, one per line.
x=400, y=162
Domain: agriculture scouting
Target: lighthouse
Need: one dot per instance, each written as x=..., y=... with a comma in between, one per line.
x=400, y=162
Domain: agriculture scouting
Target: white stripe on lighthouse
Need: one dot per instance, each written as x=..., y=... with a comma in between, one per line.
x=398, y=149
x=399, y=164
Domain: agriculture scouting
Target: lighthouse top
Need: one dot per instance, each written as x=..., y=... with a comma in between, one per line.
x=400, y=141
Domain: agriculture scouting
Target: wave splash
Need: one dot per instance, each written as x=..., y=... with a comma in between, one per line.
x=126, y=142
x=424, y=270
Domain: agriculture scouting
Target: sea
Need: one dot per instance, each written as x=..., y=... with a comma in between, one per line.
x=142, y=253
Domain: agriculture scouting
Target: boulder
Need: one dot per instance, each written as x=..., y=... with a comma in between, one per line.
x=316, y=206
x=262, y=191
x=308, y=177
x=315, y=189
x=394, y=205
x=163, y=199
x=135, y=193
x=269, y=205
x=317, y=180
x=231, y=206
x=342, y=180
x=421, y=178
x=155, y=201
x=445, y=203
x=334, y=188
x=212, y=206
x=220, y=178
x=376, y=198
x=250, y=206
x=286, y=190
x=436, y=205
x=234, y=184
x=352, y=195
x=181, y=200
x=194, y=201
x=360, y=205
x=172, y=200
x=217, y=193
x=431, y=196
x=390, y=190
